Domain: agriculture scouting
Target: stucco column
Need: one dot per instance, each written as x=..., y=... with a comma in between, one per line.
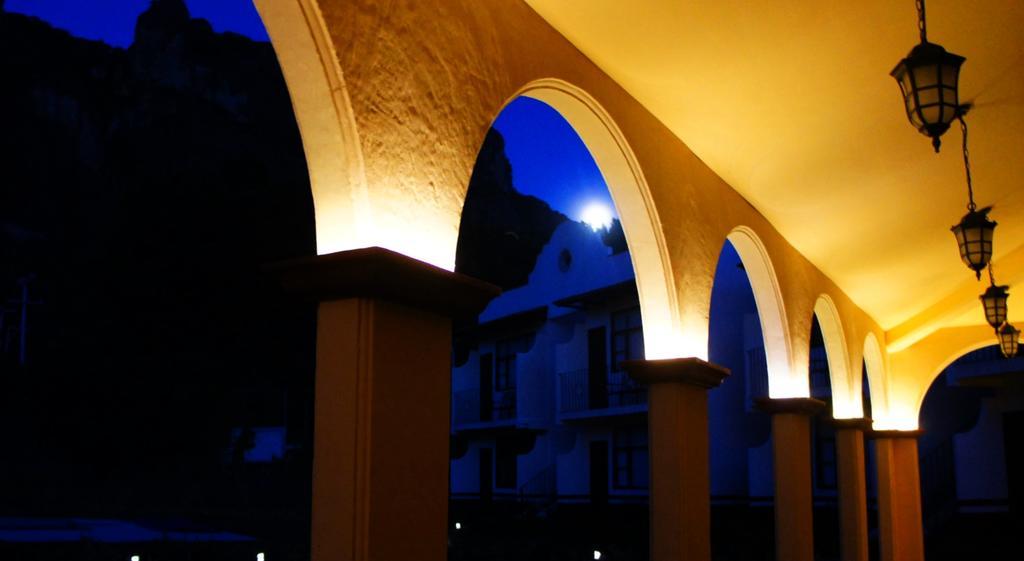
x=900, y=532
x=853, y=494
x=680, y=487
x=380, y=449
x=791, y=454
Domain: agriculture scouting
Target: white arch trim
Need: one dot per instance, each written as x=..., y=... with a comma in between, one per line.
x=635, y=206
x=875, y=363
x=784, y=380
x=326, y=122
x=847, y=402
x=953, y=356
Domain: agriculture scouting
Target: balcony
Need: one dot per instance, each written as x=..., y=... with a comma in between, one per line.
x=512, y=409
x=469, y=409
x=619, y=397
x=985, y=367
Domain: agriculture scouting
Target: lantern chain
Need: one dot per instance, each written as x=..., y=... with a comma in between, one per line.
x=922, y=27
x=991, y=275
x=967, y=164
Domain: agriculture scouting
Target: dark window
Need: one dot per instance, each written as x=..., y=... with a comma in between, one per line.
x=486, y=473
x=505, y=472
x=599, y=472
x=627, y=337
x=486, y=386
x=597, y=368
x=505, y=363
x=630, y=459
x=825, y=458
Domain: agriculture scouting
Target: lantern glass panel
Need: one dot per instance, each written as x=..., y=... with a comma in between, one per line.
x=1009, y=340
x=906, y=86
x=994, y=302
x=926, y=76
x=950, y=75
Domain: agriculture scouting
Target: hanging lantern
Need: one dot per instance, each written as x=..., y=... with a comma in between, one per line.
x=928, y=78
x=994, y=301
x=974, y=236
x=1009, y=339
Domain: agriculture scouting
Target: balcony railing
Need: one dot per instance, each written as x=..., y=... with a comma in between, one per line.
x=468, y=408
x=542, y=487
x=576, y=393
x=757, y=374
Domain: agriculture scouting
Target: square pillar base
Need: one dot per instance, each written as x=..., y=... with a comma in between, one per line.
x=381, y=419
x=680, y=489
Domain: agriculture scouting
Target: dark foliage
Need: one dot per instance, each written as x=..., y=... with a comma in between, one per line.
x=143, y=188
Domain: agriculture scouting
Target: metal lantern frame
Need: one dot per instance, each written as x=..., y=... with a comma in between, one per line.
x=974, y=237
x=994, y=302
x=1009, y=340
x=928, y=78
x=929, y=82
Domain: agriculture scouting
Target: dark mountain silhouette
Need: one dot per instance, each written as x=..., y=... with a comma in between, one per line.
x=142, y=188
x=502, y=230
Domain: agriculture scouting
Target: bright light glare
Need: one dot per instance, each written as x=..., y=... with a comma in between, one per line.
x=597, y=554
x=458, y=525
x=134, y=558
x=598, y=216
x=260, y=557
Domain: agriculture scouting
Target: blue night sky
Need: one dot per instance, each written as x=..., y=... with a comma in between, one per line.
x=113, y=21
x=549, y=161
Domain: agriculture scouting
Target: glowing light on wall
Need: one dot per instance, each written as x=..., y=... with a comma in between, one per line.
x=904, y=420
x=789, y=385
x=428, y=237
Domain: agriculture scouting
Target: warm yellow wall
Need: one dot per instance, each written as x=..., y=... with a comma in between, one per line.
x=392, y=130
x=912, y=370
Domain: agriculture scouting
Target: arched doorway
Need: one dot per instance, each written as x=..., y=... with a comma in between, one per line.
x=970, y=455
x=742, y=485
x=549, y=432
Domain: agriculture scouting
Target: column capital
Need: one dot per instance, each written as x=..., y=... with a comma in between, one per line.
x=891, y=434
x=798, y=405
x=375, y=272
x=690, y=371
x=857, y=423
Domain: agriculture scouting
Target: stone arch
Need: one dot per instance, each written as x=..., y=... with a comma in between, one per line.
x=984, y=338
x=847, y=402
x=632, y=197
x=784, y=379
x=326, y=122
x=875, y=363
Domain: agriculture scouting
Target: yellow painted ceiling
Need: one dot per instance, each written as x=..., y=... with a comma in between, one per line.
x=791, y=102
